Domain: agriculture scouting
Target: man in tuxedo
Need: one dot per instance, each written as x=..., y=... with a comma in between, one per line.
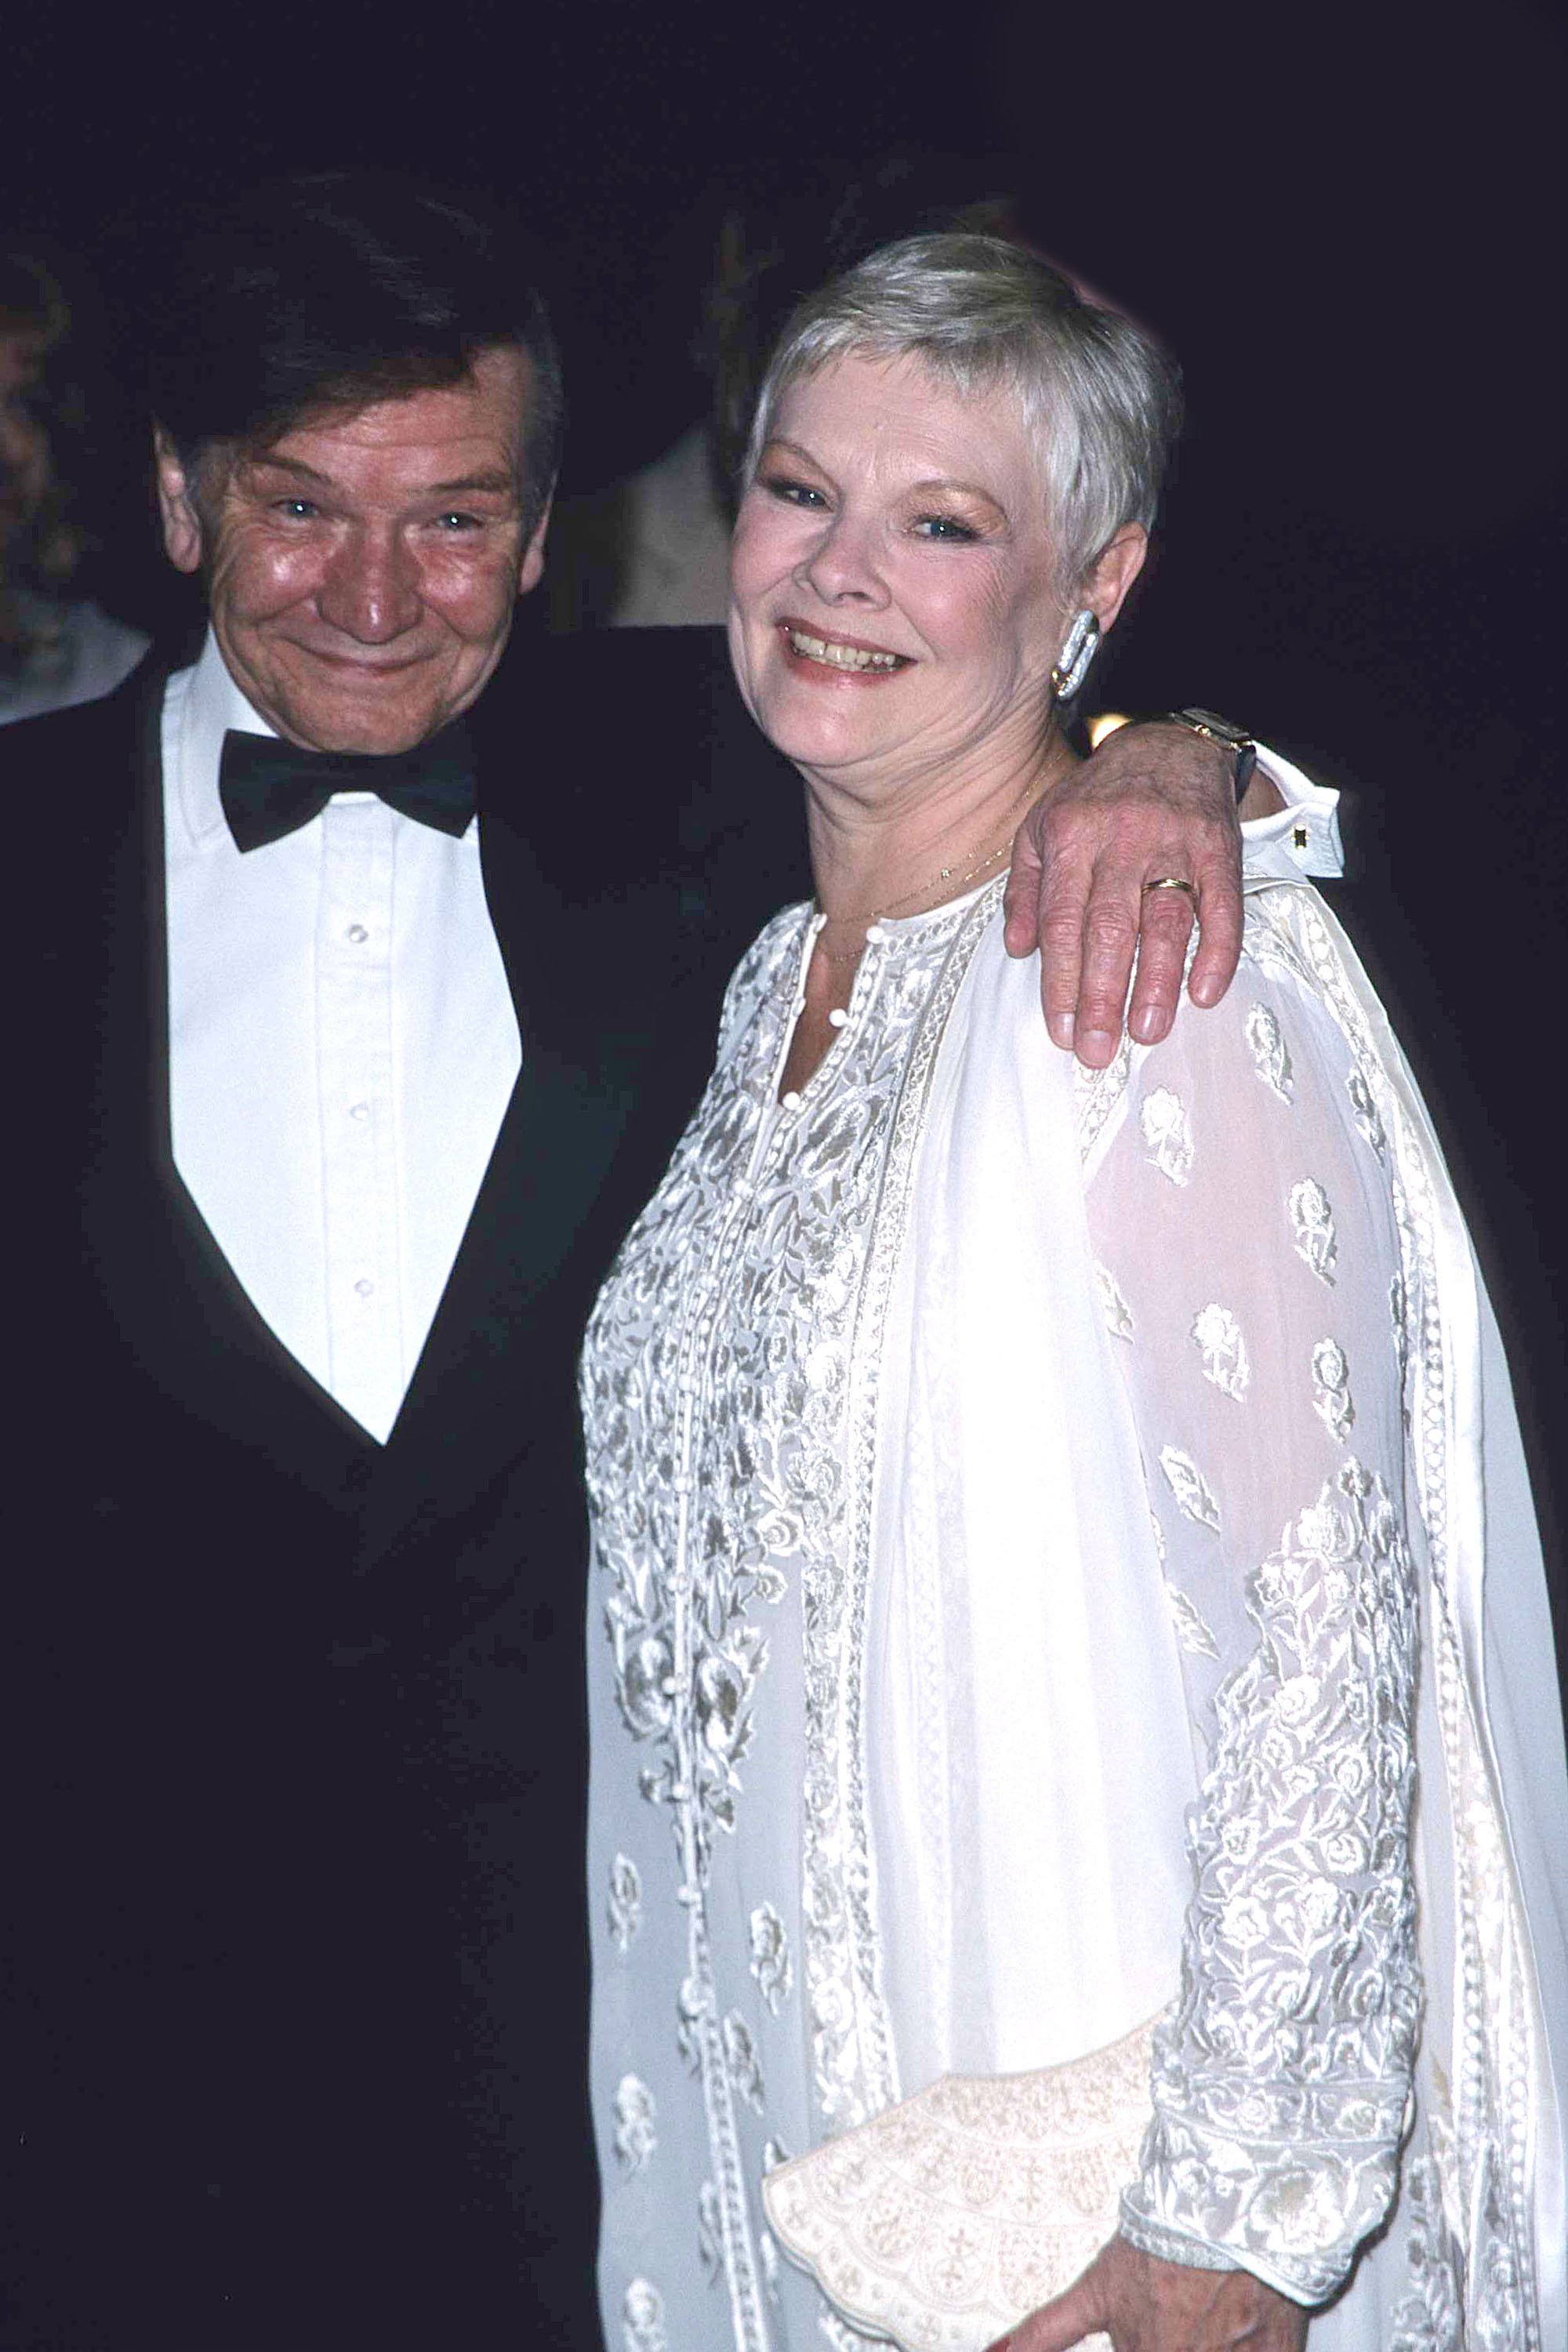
x=333, y=1101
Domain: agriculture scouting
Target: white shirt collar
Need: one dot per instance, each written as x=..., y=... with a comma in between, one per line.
x=204, y=704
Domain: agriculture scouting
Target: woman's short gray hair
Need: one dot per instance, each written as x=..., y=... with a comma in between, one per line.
x=1100, y=399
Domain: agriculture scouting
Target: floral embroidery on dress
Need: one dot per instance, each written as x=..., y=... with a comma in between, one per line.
x=1270, y=1055
x=1217, y=1337
x=741, y=2057
x=642, y=2318
x=1398, y=1318
x=1312, y=1224
x=1364, y=1109
x=1301, y=1935
x=1331, y=1388
x=1188, y=1620
x=1430, y=2318
x=771, y=1962
x=1117, y=1314
x=636, y=2137
x=1190, y=1488
x=1168, y=1132
x=626, y=1902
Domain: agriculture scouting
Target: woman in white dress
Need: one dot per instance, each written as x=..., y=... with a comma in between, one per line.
x=1075, y=1632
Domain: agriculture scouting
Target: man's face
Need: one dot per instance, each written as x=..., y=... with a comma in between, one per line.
x=362, y=572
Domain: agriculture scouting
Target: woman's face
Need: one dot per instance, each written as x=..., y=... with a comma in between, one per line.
x=893, y=607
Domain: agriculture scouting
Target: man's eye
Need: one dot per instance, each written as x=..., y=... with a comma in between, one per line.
x=945, y=527
x=458, y=522
x=298, y=509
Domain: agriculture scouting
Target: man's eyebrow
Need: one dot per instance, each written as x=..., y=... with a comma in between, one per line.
x=286, y=466
x=494, y=479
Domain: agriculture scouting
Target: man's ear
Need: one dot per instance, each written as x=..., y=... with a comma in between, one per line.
x=530, y=571
x=1105, y=590
x=176, y=505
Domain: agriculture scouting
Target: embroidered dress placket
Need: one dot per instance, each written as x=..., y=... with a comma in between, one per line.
x=854, y=2070
x=739, y=2256
x=694, y=1355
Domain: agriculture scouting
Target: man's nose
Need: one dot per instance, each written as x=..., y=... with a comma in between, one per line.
x=842, y=564
x=371, y=590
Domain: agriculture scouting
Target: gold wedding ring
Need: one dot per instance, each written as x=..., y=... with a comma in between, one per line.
x=1171, y=882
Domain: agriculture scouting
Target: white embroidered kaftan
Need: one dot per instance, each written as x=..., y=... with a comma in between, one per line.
x=992, y=1467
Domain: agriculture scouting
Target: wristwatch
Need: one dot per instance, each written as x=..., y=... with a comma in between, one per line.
x=1220, y=730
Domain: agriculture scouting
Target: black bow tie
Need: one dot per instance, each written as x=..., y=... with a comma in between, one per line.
x=270, y=788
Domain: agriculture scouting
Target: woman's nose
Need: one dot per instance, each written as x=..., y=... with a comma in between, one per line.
x=842, y=566
x=371, y=590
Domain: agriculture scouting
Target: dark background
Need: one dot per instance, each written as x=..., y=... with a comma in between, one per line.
x=1348, y=222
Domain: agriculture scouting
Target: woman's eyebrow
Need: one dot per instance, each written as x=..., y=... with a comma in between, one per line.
x=948, y=485
x=953, y=482
x=931, y=488
x=783, y=441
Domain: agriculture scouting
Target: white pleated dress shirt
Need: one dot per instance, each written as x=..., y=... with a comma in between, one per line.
x=342, y=1047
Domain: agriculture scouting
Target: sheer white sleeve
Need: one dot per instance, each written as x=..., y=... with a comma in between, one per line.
x=1243, y=1224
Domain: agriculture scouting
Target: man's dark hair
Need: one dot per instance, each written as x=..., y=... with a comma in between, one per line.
x=337, y=289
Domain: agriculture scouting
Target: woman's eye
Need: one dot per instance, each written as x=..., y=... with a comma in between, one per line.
x=795, y=494
x=945, y=527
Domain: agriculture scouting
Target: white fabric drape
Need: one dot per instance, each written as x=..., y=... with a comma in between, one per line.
x=1026, y=1715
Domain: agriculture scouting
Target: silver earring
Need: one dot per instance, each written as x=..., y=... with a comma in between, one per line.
x=1072, y=661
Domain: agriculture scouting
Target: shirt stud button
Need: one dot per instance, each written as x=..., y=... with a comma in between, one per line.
x=359, y=1110
x=364, y=1288
x=357, y=934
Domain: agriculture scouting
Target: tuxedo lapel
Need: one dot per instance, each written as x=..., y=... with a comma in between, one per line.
x=164, y=1280
x=554, y=1202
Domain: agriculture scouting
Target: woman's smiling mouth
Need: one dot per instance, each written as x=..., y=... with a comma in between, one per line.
x=842, y=655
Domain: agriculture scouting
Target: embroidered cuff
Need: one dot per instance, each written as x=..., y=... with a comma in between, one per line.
x=1171, y=2245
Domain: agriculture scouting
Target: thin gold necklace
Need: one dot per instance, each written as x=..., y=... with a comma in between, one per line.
x=948, y=876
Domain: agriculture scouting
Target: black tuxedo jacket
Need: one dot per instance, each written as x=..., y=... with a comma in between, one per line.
x=295, y=1974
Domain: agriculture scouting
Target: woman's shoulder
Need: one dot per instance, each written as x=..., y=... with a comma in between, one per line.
x=1297, y=1028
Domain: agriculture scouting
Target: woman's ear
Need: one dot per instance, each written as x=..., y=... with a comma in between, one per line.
x=1105, y=588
